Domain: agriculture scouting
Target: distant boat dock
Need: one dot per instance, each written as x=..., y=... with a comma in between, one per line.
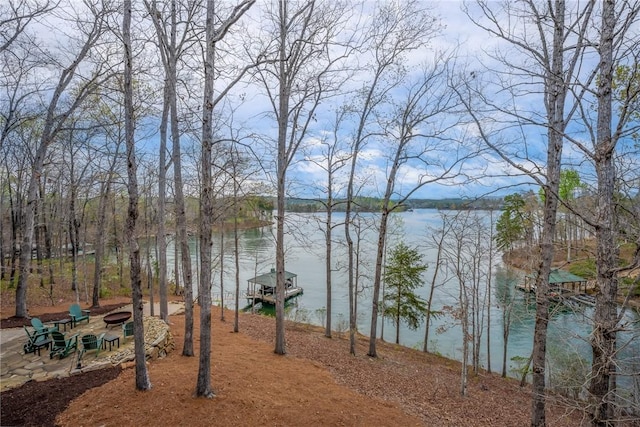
x=262, y=288
x=564, y=287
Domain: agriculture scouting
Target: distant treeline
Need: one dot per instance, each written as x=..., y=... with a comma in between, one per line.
x=373, y=204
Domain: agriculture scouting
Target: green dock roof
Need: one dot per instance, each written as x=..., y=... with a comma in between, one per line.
x=561, y=276
x=269, y=279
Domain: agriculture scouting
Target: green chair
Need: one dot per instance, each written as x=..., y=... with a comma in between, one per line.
x=40, y=328
x=62, y=346
x=35, y=341
x=77, y=314
x=91, y=342
x=127, y=330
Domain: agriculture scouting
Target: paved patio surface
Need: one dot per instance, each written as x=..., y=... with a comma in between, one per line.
x=16, y=367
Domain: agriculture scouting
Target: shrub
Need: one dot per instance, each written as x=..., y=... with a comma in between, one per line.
x=105, y=292
x=584, y=268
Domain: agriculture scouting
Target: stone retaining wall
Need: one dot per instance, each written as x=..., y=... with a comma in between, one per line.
x=158, y=343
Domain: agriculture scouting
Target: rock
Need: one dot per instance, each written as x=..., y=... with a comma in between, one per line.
x=34, y=365
x=22, y=372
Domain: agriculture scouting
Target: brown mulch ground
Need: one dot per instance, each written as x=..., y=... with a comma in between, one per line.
x=38, y=403
x=316, y=383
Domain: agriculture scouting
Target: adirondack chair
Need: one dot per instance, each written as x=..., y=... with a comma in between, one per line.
x=77, y=314
x=62, y=346
x=40, y=328
x=127, y=331
x=91, y=342
x=35, y=341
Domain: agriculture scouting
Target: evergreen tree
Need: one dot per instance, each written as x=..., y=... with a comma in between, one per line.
x=402, y=276
x=511, y=224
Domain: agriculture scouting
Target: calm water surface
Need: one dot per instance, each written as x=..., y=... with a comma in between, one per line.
x=568, y=343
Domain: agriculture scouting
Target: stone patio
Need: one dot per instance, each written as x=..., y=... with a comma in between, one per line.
x=16, y=367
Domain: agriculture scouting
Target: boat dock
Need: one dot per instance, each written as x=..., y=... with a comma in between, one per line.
x=262, y=288
x=564, y=296
x=564, y=287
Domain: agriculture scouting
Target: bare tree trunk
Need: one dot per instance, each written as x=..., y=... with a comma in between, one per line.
x=334, y=163
x=464, y=316
x=84, y=253
x=458, y=253
x=359, y=140
x=182, y=244
x=506, y=326
x=27, y=239
x=398, y=308
x=176, y=271
x=142, y=376
x=489, y=282
x=356, y=282
x=328, y=243
x=149, y=266
x=3, y=268
x=101, y=223
x=603, y=339
x=203, y=386
x=162, y=183
x=161, y=238
x=116, y=242
x=99, y=245
x=477, y=310
x=48, y=246
x=73, y=228
x=542, y=280
x=350, y=265
x=16, y=213
x=73, y=239
x=382, y=235
x=182, y=238
x=438, y=265
x=222, y=268
x=556, y=92
x=284, y=93
x=236, y=252
x=38, y=235
x=169, y=50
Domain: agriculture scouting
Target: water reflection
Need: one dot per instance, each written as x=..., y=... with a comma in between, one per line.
x=569, y=328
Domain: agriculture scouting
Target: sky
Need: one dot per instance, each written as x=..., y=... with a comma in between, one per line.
x=308, y=179
x=483, y=173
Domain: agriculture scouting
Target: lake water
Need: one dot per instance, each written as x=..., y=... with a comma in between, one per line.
x=568, y=342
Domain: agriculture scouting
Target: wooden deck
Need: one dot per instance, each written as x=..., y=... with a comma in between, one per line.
x=270, y=298
x=562, y=295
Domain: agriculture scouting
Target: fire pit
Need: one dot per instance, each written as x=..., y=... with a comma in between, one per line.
x=117, y=318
